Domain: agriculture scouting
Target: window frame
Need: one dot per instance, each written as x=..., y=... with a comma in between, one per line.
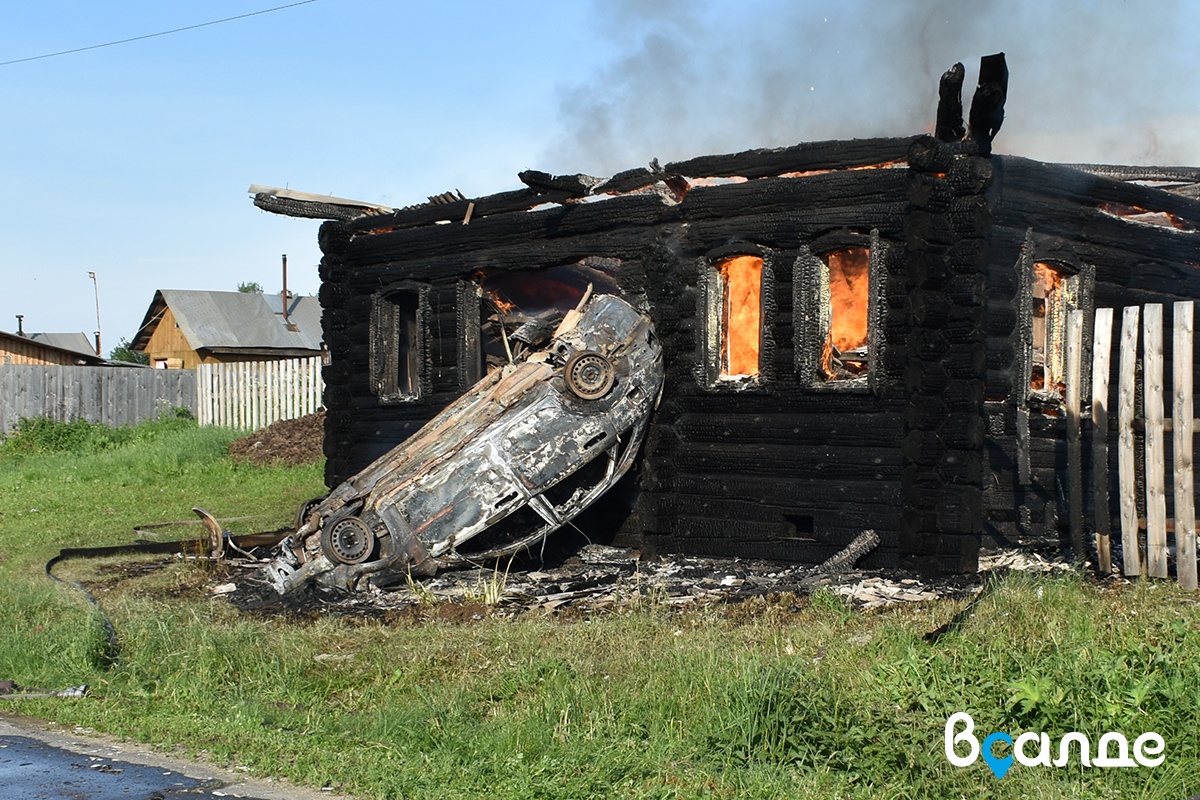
x=710, y=311
x=385, y=349
x=1048, y=250
x=810, y=280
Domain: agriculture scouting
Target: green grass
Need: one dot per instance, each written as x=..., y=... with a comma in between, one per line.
x=805, y=699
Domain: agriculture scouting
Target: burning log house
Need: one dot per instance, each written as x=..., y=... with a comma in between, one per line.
x=856, y=334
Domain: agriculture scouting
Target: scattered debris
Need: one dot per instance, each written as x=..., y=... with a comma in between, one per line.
x=1023, y=561
x=11, y=691
x=597, y=579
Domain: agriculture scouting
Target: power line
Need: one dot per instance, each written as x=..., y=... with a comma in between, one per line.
x=152, y=35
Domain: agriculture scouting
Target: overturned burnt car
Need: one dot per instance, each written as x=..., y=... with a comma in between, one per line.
x=520, y=454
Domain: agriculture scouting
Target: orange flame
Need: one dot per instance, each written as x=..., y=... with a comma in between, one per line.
x=741, y=315
x=1047, y=294
x=503, y=305
x=849, y=294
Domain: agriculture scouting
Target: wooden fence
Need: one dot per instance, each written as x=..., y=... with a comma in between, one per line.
x=255, y=394
x=1141, y=440
x=111, y=395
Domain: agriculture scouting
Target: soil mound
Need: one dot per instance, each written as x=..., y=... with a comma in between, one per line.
x=289, y=442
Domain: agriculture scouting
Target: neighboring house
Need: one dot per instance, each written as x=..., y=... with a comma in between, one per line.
x=183, y=329
x=69, y=349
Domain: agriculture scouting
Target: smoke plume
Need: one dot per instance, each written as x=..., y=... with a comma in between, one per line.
x=1101, y=81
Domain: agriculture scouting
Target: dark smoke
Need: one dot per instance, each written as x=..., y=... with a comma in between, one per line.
x=1090, y=81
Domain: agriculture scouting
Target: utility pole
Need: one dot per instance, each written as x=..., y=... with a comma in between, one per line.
x=96, y=289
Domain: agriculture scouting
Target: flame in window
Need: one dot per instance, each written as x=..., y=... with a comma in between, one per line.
x=1049, y=320
x=741, y=315
x=845, y=351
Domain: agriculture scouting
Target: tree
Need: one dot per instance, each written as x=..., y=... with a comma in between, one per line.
x=253, y=287
x=123, y=352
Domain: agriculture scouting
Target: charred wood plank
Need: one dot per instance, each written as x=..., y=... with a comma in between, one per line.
x=987, y=106
x=950, y=108
x=1063, y=182
x=806, y=157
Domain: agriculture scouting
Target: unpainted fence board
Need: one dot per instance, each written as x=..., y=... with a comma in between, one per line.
x=1101, y=358
x=255, y=394
x=1074, y=438
x=1182, y=430
x=1156, y=492
x=1126, y=468
x=110, y=395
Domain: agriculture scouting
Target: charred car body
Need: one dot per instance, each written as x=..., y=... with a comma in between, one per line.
x=515, y=458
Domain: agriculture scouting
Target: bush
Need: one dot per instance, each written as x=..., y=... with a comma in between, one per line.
x=40, y=436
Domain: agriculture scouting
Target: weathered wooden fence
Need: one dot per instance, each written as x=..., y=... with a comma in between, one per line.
x=255, y=394
x=1139, y=433
x=111, y=395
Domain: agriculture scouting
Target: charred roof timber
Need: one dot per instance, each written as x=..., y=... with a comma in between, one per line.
x=987, y=106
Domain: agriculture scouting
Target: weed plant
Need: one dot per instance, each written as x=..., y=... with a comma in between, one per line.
x=795, y=698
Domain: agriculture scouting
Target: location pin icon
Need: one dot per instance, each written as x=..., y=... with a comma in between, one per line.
x=998, y=766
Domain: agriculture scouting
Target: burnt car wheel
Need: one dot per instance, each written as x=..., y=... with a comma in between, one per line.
x=305, y=509
x=348, y=541
x=588, y=375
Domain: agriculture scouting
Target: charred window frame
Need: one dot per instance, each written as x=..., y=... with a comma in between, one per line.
x=1053, y=284
x=737, y=349
x=817, y=360
x=398, y=342
x=470, y=346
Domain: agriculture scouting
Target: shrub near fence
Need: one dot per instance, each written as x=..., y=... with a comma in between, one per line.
x=111, y=395
x=253, y=394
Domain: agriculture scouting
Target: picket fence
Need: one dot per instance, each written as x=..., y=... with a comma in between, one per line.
x=1141, y=440
x=256, y=393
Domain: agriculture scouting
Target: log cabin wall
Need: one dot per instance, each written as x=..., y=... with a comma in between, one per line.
x=784, y=465
x=1088, y=225
x=946, y=291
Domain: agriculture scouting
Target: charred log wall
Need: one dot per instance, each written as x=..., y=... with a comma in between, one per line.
x=947, y=240
x=1086, y=221
x=781, y=469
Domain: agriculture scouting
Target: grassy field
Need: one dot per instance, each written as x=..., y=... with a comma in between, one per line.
x=788, y=698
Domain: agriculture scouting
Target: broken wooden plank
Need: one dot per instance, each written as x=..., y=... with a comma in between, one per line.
x=1074, y=438
x=1101, y=356
x=1126, y=455
x=1185, y=500
x=1156, y=495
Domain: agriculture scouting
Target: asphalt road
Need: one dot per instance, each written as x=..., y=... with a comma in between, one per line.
x=40, y=763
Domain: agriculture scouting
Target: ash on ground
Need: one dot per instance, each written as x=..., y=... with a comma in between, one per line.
x=595, y=578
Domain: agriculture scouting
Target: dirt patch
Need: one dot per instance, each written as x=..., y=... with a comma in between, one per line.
x=289, y=442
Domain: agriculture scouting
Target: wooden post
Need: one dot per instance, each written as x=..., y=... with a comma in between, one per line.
x=1126, y=407
x=1074, y=442
x=1156, y=490
x=1101, y=356
x=1182, y=429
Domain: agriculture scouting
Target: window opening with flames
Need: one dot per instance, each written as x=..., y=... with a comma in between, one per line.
x=741, y=316
x=1054, y=295
x=845, y=289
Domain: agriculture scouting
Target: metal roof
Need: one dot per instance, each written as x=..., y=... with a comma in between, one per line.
x=79, y=342
x=230, y=321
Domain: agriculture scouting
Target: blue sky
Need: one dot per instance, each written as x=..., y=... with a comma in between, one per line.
x=133, y=161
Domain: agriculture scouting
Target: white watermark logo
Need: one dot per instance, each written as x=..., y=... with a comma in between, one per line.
x=1111, y=751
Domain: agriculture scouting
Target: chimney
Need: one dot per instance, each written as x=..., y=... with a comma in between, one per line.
x=20, y=329
x=98, y=355
x=286, y=297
